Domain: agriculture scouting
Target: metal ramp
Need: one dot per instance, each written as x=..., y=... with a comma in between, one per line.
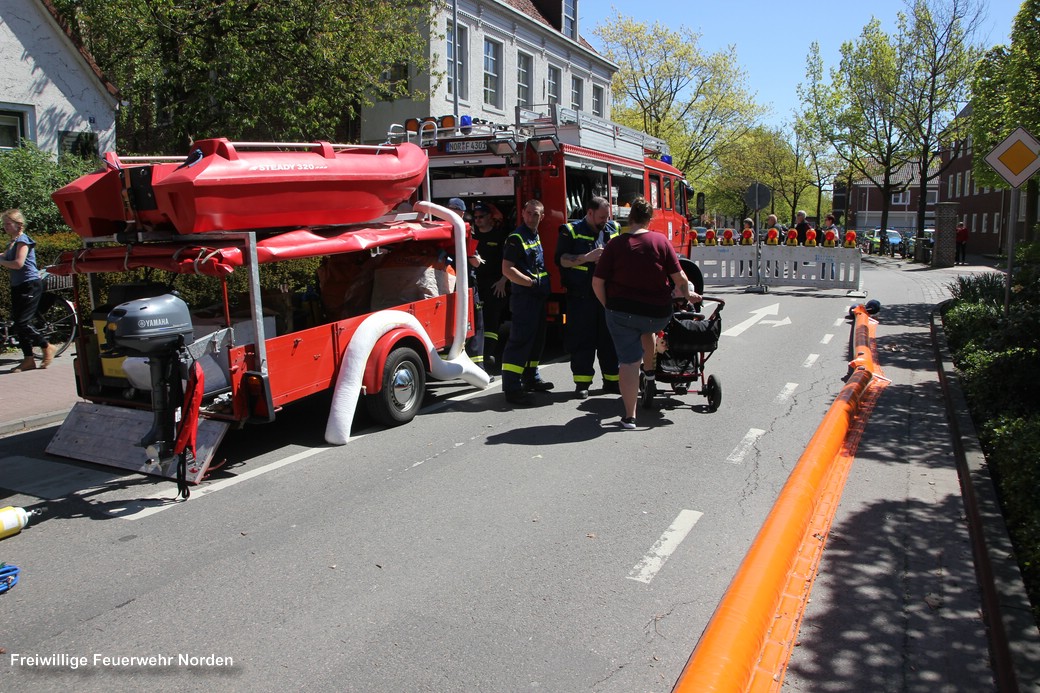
x=111, y=435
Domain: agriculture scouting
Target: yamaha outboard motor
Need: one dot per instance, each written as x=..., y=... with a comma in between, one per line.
x=157, y=328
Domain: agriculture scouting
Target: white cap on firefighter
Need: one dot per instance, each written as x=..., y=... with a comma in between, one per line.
x=457, y=203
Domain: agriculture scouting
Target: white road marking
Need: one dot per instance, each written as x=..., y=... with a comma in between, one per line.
x=745, y=446
x=827, y=339
x=810, y=361
x=206, y=490
x=654, y=560
x=786, y=393
x=756, y=315
x=839, y=322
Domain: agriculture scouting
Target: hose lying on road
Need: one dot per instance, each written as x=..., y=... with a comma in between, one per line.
x=740, y=648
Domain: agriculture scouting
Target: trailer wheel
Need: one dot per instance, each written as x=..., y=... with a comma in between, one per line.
x=404, y=383
x=713, y=389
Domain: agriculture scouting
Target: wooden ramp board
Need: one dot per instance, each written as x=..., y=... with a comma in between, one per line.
x=112, y=435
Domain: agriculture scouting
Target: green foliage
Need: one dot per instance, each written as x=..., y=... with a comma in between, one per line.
x=1012, y=447
x=985, y=288
x=999, y=361
x=1004, y=90
x=28, y=176
x=248, y=69
x=668, y=88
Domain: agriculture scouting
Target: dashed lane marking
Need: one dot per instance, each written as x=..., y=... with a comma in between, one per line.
x=645, y=570
x=786, y=393
x=745, y=446
x=808, y=363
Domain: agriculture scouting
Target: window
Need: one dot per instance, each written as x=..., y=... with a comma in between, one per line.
x=577, y=93
x=969, y=183
x=957, y=186
x=655, y=191
x=11, y=130
x=901, y=198
x=395, y=82
x=554, y=85
x=985, y=218
x=996, y=222
x=597, y=101
x=570, y=19
x=81, y=144
x=457, y=62
x=932, y=198
x=949, y=188
x=492, y=65
x=523, y=80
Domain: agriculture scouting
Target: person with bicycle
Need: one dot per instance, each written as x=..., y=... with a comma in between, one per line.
x=26, y=290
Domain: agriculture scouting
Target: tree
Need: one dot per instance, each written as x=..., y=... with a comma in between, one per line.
x=860, y=112
x=248, y=69
x=936, y=37
x=1004, y=97
x=667, y=88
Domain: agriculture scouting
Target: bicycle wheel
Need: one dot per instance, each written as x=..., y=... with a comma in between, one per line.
x=56, y=321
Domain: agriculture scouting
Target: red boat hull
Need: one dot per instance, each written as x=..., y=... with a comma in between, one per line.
x=221, y=188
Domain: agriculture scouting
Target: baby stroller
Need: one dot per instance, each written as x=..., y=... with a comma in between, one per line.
x=686, y=344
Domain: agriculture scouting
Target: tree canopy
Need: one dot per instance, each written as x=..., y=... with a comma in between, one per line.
x=668, y=88
x=248, y=69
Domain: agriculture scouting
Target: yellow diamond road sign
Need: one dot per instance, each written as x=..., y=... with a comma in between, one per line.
x=1017, y=158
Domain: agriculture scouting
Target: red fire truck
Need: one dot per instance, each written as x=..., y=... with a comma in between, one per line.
x=562, y=157
x=164, y=380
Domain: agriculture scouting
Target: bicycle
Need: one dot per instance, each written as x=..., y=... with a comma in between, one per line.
x=55, y=318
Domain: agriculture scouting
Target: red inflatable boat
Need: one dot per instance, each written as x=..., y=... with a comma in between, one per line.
x=226, y=186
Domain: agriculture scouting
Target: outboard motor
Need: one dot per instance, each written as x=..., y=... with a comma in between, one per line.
x=157, y=328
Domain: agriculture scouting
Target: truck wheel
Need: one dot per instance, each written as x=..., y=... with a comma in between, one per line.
x=401, y=395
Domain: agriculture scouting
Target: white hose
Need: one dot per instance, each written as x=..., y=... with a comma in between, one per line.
x=352, y=370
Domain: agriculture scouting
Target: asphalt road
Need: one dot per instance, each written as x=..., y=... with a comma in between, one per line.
x=476, y=549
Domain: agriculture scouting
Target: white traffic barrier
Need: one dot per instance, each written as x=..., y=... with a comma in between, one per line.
x=781, y=265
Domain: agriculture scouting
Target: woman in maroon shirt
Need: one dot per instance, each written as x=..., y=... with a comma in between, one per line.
x=631, y=281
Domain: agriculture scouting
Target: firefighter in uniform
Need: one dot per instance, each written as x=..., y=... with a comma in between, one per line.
x=578, y=248
x=490, y=236
x=523, y=264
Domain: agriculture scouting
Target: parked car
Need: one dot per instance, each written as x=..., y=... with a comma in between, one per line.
x=891, y=242
x=928, y=243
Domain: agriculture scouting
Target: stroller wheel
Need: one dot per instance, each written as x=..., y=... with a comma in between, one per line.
x=649, y=390
x=713, y=390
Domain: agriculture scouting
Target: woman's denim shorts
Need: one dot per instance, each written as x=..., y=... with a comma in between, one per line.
x=627, y=330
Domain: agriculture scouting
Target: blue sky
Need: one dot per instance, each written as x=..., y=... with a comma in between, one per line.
x=772, y=38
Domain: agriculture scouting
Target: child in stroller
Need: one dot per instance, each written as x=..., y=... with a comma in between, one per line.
x=686, y=344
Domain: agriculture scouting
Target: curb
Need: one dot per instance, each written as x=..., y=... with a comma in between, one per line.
x=1013, y=634
x=31, y=422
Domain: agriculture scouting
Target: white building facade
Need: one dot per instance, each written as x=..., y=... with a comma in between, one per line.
x=509, y=54
x=51, y=92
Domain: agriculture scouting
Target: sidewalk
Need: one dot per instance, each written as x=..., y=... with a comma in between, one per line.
x=35, y=398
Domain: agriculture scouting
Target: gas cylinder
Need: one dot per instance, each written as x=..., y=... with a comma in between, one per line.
x=13, y=520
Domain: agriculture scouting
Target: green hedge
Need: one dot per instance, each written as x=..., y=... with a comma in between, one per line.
x=999, y=361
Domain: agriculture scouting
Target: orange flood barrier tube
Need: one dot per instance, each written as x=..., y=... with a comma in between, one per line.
x=732, y=644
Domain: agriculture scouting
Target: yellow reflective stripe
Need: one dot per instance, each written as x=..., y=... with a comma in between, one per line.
x=583, y=268
x=491, y=335
x=513, y=368
x=583, y=379
x=610, y=378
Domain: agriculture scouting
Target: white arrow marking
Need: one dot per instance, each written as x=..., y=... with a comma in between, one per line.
x=654, y=560
x=756, y=315
x=777, y=323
